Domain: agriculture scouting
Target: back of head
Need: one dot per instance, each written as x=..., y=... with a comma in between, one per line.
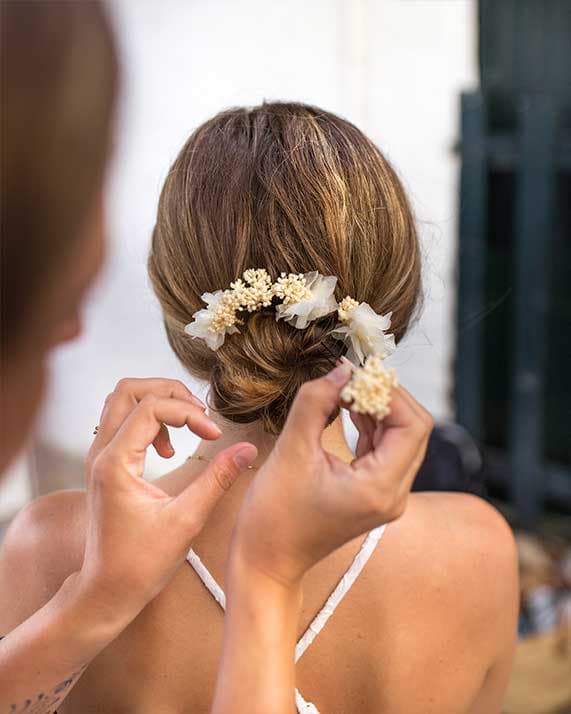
x=285, y=187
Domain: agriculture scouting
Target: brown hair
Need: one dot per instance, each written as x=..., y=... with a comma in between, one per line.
x=286, y=187
x=59, y=84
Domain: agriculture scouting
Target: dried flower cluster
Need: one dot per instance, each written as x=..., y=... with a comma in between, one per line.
x=369, y=389
x=249, y=293
x=363, y=331
x=345, y=307
x=253, y=291
x=304, y=297
x=312, y=299
x=291, y=288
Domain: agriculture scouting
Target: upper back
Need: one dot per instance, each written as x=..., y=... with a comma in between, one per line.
x=429, y=625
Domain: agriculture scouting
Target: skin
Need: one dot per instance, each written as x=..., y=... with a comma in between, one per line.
x=44, y=654
x=97, y=560
x=436, y=635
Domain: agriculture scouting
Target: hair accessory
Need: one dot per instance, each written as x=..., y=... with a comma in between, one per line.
x=363, y=330
x=304, y=298
x=220, y=318
x=300, y=298
x=369, y=389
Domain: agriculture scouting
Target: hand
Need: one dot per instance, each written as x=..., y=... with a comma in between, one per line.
x=137, y=535
x=305, y=503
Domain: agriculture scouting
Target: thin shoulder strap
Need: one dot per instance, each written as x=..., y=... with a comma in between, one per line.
x=318, y=622
x=343, y=587
x=209, y=583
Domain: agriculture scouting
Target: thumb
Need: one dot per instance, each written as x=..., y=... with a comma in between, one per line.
x=202, y=495
x=313, y=405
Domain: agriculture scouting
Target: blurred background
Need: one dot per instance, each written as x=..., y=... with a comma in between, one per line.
x=471, y=102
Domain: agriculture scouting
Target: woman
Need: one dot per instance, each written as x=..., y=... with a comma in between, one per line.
x=295, y=189
x=59, y=86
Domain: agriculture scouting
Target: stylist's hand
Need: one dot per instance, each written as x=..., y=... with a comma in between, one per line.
x=304, y=502
x=137, y=535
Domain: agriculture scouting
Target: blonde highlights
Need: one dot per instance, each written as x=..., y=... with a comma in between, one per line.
x=293, y=189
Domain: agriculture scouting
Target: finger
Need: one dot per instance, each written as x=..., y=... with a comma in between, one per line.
x=162, y=443
x=124, y=398
x=366, y=426
x=404, y=433
x=128, y=447
x=426, y=417
x=313, y=405
x=196, y=502
x=423, y=413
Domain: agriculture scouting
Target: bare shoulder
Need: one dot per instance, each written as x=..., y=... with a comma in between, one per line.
x=458, y=550
x=461, y=531
x=41, y=548
x=472, y=527
x=455, y=526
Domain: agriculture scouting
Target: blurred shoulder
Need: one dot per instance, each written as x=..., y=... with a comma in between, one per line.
x=46, y=530
x=41, y=548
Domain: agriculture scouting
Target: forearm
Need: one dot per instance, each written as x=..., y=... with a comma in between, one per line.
x=257, y=671
x=42, y=659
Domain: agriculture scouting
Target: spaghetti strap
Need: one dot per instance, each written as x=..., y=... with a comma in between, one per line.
x=209, y=582
x=342, y=588
x=319, y=621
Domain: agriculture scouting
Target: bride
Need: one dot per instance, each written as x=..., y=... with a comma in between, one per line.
x=426, y=618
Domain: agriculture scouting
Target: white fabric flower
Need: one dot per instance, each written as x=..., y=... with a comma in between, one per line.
x=364, y=333
x=214, y=322
x=320, y=302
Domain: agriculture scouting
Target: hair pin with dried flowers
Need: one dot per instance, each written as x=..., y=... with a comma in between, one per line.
x=301, y=299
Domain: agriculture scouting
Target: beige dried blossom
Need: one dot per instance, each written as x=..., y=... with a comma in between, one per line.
x=225, y=313
x=291, y=288
x=253, y=291
x=302, y=306
x=214, y=322
x=369, y=389
x=364, y=332
x=345, y=307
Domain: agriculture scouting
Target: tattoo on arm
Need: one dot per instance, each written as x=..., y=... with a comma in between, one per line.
x=46, y=702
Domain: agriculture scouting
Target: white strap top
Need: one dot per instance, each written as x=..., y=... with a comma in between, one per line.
x=318, y=622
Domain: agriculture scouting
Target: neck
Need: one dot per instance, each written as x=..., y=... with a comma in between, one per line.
x=222, y=520
x=333, y=439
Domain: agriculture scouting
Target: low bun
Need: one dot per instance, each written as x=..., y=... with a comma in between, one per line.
x=257, y=375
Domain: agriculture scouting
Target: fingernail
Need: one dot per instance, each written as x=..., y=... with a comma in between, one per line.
x=243, y=458
x=216, y=428
x=340, y=374
x=198, y=402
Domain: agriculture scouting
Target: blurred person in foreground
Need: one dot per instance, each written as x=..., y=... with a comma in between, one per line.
x=59, y=87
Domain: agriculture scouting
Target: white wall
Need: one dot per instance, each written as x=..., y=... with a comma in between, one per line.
x=394, y=67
